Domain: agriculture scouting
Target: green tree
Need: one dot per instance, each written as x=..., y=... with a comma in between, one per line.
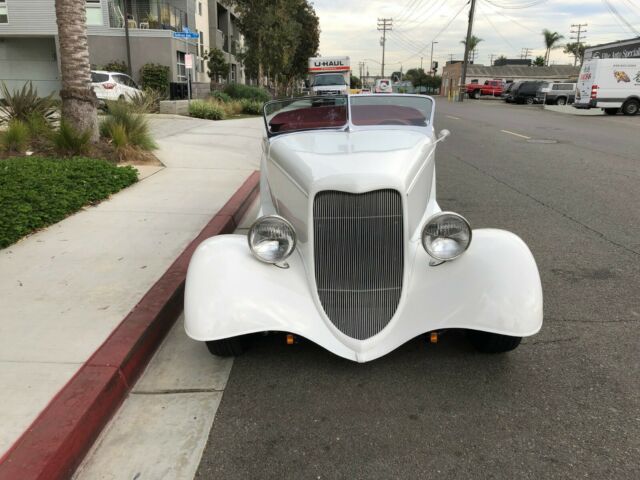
x=217, y=66
x=473, y=44
x=355, y=82
x=417, y=77
x=500, y=61
x=577, y=50
x=539, y=61
x=551, y=40
x=79, y=103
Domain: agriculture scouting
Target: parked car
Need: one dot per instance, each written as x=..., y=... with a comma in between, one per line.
x=113, y=85
x=612, y=84
x=351, y=249
x=383, y=85
x=526, y=92
x=507, y=93
x=493, y=88
x=556, y=93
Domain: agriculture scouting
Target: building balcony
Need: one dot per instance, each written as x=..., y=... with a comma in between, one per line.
x=148, y=15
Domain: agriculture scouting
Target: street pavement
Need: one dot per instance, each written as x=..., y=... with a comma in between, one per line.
x=565, y=404
x=65, y=288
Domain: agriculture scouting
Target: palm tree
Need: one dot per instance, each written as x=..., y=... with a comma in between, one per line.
x=550, y=41
x=473, y=43
x=577, y=50
x=78, y=99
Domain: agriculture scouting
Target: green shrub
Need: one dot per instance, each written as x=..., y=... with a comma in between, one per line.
x=220, y=96
x=24, y=103
x=147, y=101
x=36, y=192
x=16, y=137
x=206, y=110
x=118, y=135
x=70, y=142
x=38, y=127
x=135, y=126
x=237, y=90
x=232, y=108
x=251, y=107
x=155, y=77
x=115, y=66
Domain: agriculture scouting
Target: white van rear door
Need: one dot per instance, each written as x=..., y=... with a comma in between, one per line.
x=585, y=81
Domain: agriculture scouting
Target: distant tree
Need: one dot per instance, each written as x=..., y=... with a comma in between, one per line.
x=473, y=44
x=417, y=77
x=577, y=50
x=551, y=40
x=396, y=76
x=500, y=61
x=539, y=61
x=355, y=82
x=217, y=66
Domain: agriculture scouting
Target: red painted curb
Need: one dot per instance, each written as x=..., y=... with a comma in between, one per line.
x=59, y=438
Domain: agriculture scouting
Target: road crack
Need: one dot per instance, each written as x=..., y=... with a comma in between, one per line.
x=550, y=207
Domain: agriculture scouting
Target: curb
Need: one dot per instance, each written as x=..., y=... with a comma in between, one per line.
x=59, y=438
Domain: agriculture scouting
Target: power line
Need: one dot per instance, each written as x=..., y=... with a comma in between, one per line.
x=614, y=11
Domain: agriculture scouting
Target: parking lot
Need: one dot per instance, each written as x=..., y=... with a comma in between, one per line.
x=563, y=405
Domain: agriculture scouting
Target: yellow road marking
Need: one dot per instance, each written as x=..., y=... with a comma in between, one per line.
x=516, y=134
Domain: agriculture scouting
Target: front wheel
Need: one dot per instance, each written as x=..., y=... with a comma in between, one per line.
x=611, y=111
x=475, y=95
x=487, y=342
x=227, y=347
x=530, y=101
x=631, y=107
x=561, y=101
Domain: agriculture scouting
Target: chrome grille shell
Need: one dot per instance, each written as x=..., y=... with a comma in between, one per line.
x=359, y=258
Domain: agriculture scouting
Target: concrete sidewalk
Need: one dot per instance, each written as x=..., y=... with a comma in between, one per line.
x=67, y=287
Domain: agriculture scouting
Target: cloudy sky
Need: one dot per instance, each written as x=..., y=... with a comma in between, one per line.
x=349, y=28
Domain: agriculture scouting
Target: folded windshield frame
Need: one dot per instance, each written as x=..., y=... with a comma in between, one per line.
x=348, y=123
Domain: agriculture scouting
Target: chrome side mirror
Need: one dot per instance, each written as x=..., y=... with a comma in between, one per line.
x=444, y=133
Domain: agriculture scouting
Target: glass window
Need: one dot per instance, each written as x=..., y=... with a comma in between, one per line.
x=200, y=8
x=181, y=69
x=4, y=16
x=391, y=110
x=99, y=77
x=94, y=12
x=201, y=41
x=307, y=113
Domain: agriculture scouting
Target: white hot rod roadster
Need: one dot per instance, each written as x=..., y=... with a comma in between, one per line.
x=351, y=250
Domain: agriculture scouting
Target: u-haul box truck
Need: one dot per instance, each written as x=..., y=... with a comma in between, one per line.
x=329, y=75
x=612, y=84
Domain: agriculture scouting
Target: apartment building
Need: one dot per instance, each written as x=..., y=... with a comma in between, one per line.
x=29, y=50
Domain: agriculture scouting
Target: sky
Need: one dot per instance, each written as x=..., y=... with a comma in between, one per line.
x=349, y=27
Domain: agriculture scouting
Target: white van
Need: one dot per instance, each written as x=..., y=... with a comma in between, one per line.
x=612, y=84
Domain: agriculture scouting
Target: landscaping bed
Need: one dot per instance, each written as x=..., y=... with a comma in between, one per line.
x=36, y=192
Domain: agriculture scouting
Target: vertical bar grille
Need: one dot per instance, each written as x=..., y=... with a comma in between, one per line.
x=359, y=262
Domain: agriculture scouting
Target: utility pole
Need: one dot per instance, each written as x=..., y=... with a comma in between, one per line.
x=525, y=53
x=431, y=64
x=384, y=25
x=465, y=61
x=579, y=35
x=421, y=62
x=491, y=59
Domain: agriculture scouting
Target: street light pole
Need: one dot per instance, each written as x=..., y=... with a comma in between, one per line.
x=465, y=63
x=431, y=65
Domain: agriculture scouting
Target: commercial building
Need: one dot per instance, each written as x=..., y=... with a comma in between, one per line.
x=29, y=50
x=452, y=74
x=620, y=49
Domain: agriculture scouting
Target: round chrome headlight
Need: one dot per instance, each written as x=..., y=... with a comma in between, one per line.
x=271, y=239
x=446, y=236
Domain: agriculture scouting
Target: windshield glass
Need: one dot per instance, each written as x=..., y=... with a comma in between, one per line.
x=391, y=110
x=310, y=113
x=325, y=80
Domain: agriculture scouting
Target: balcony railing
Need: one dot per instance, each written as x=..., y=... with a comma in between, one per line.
x=149, y=15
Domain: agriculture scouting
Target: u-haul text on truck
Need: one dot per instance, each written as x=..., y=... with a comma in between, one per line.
x=329, y=75
x=612, y=84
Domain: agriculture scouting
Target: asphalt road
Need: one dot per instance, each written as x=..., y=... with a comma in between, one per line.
x=565, y=404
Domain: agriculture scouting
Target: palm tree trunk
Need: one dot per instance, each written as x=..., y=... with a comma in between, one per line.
x=78, y=99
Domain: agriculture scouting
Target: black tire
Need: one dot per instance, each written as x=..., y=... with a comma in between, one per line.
x=475, y=95
x=486, y=342
x=228, y=347
x=561, y=101
x=611, y=111
x=631, y=107
x=529, y=100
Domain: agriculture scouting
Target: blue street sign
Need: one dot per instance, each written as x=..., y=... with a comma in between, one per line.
x=191, y=35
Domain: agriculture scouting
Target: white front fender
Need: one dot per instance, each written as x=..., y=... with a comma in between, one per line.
x=494, y=286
